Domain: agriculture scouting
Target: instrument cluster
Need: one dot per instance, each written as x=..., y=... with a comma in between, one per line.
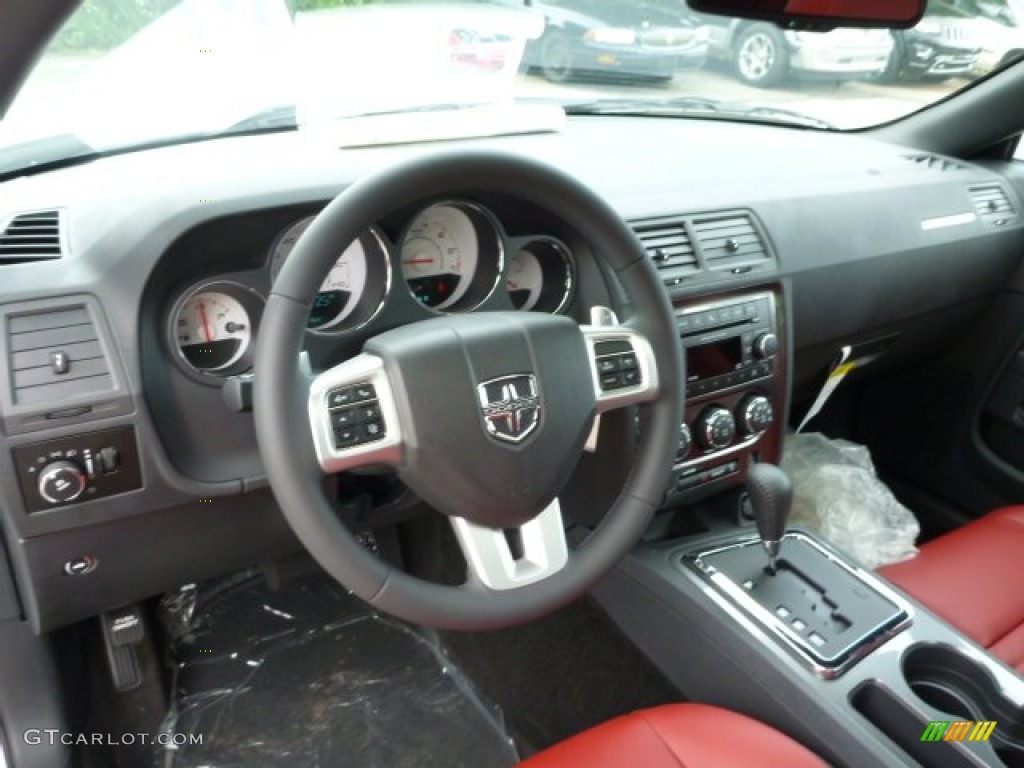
x=450, y=256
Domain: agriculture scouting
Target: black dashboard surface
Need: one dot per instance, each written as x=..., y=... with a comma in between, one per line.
x=864, y=239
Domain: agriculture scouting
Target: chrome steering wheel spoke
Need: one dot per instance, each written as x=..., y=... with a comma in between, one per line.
x=353, y=416
x=540, y=551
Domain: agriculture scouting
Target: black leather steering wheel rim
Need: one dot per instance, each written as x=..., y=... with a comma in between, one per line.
x=281, y=388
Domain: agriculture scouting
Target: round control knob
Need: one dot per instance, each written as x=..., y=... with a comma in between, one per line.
x=685, y=441
x=765, y=346
x=61, y=482
x=715, y=428
x=754, y=414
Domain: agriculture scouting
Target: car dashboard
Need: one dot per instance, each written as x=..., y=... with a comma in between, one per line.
x=127, y=411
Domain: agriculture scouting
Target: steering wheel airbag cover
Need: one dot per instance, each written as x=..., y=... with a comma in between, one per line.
x=452, y=461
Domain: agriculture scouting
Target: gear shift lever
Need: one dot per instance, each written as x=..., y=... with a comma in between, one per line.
x=771, y=497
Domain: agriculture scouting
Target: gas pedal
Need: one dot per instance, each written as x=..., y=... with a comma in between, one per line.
x=123, y=631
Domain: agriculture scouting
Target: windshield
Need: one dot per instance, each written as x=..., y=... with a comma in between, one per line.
x=127, y=73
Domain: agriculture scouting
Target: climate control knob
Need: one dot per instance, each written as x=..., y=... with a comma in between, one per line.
x=685, y=441
x=754, y=414
x=715, y=428
x=61, y=482
x=765, y=346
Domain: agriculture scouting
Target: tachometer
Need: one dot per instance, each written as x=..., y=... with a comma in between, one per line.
x=540, y=276
x=353, y=290
x=451, y=256
x=212, y=328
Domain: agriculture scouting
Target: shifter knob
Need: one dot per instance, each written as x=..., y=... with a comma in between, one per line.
x=771, y=497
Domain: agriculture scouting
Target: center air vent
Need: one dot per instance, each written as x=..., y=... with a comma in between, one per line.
x=729, y=241
x=991, y=200
x=667, y=242
x=935, y=162
x=34, y=236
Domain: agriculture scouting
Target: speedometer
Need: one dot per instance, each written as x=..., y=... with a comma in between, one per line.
x=353, y=290
x=451, y=256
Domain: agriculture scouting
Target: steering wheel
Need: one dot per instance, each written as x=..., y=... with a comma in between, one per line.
x=483, y=415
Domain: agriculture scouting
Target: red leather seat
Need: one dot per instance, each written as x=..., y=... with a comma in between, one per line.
x=972, y=578
x=676, y=735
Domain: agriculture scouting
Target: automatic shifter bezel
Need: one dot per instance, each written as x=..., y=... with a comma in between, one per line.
x=738, y=601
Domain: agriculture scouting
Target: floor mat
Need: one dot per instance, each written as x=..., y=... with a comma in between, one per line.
x=310, y=676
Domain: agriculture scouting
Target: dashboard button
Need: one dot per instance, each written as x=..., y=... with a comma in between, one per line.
x=607, y=364
x=627, y=362
x=630, y=378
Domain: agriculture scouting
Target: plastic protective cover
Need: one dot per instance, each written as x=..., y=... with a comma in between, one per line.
x=311, y=676
x=838, y=494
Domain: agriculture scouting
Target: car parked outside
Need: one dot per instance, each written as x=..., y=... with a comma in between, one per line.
x=764, y=55
x=943, y=44
x=621, y=39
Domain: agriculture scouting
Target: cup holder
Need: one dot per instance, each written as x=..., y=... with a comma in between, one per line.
x=953, y=682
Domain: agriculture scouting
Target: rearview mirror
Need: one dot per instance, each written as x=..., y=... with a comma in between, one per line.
x=820, y=14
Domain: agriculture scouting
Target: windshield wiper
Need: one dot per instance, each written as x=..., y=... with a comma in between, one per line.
x=278, y=118
x=698, y=106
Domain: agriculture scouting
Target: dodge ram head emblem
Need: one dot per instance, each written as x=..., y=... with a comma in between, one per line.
x=511, y=406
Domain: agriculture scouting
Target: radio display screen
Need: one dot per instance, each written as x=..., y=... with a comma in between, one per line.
x=714, y=359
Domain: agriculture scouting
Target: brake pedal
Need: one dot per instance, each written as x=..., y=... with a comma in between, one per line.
x=123, y=631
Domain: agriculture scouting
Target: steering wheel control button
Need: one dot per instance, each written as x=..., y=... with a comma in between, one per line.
x=346, y=436
x=363, y=392
x=368, y=412
x=346, y=417
x=617, y=365
x=372, y=430
x=339, y=398
x=355, y=415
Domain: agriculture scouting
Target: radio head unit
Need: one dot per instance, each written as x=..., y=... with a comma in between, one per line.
x=728, y=343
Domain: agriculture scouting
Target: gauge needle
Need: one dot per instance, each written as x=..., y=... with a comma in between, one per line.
x=206, y=323
x=426, y=260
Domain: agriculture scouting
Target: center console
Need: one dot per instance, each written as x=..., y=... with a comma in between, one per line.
x=734, y=350
x=821, y=649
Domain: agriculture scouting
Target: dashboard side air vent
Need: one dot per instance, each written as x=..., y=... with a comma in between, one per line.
x=729, y=241
x=667, y=242
x=990, y=201
x=935, y=162
x=32, y=236
x=56, y=355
